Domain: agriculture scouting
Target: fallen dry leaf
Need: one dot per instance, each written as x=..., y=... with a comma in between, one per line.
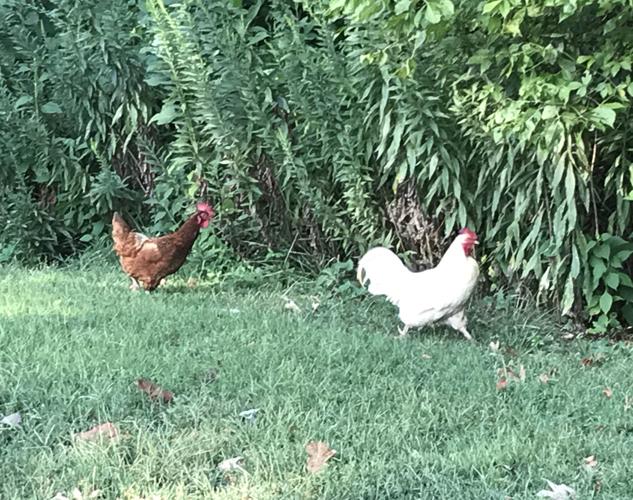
x=231, y=464
x=543, y=378
x=590, y=462
x=13, y=420
x=494, y=346
x=568, y=336
x=76, y=494
x=101, y=432
x=130, y=494
x=557, y=492
x=509, y=374
x=425, y=356
x=318, y=455
x=502, y=384
x=607, y=392
x=155, y=392
x=249, y=415
x=595, y=360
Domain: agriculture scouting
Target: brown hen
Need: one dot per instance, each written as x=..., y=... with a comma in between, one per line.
x=149, y=260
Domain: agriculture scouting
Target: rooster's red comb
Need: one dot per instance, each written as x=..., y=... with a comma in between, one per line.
x=469, y=232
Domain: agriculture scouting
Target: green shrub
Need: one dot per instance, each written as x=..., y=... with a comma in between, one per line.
x=321, y=128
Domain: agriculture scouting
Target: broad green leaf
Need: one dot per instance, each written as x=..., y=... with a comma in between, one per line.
x=604, y=115
x=606, y=301
x=447, y=8
x=490, y=6
x=167, y=114
x=549, y=112
x=598, y=268
x=432, y=13
x=612, y=280
x=25, y=99
x=337, y=4
x=603, y=251
x=51, y=108
x=402, y=6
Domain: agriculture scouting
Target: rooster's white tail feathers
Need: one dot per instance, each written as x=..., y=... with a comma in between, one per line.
x=384, y=272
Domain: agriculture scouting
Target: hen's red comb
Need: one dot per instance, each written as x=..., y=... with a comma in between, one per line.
x=203, y=206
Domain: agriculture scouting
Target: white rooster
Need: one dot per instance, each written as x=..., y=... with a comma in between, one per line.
x=437, y=294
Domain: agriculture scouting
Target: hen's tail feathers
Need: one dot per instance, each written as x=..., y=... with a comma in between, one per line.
x=385, y=273
x=120, y=229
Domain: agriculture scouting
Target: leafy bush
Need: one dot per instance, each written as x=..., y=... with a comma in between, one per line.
x=320, y=128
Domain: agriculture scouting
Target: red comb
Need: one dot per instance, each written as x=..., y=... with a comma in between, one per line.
x=469, y=233
x=203, y=206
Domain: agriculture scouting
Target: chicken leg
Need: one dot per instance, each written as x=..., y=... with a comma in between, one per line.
x=458, y=322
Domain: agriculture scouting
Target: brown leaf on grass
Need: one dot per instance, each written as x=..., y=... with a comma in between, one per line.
x=595, y=360
x=607, y=392
x=318, y=454
x=155, y=392
x=510, y=351
x=509, y=374
x=543, y=378
x=101, y=432
x=502, y=384
x=231, y=464
x=425, y=356
x=494, y=346
x=590, y=462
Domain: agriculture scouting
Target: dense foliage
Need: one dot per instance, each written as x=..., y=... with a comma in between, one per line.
x=319, y=128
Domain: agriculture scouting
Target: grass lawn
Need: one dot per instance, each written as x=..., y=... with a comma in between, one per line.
x=414, y=418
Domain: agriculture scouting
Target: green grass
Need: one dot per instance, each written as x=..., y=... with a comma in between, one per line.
x=72, y=343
